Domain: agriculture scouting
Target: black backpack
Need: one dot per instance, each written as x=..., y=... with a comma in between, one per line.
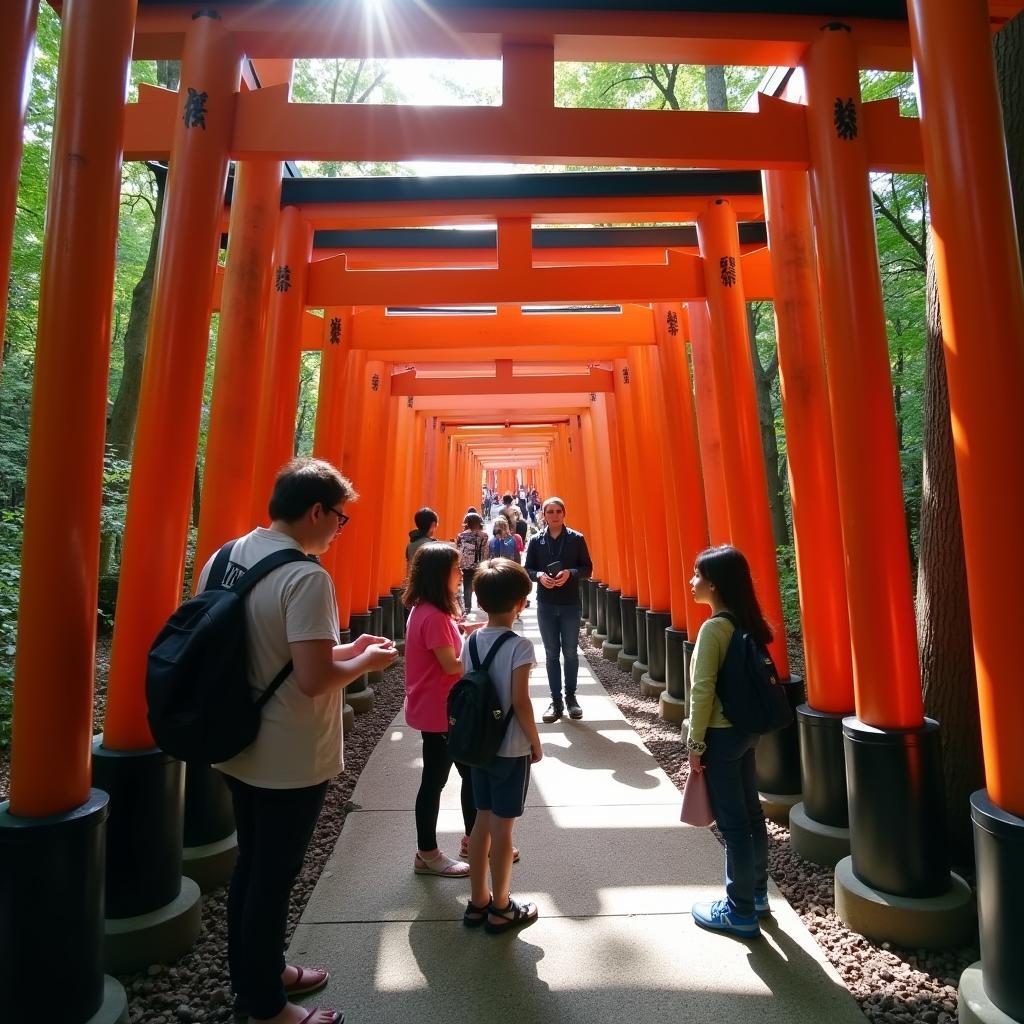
x=197, y=686
x=752, y=695
x=477, y=723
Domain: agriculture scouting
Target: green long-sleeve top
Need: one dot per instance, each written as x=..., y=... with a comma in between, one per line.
x=708, y=656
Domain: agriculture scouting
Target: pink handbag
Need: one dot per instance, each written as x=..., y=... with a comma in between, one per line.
x=696, y=802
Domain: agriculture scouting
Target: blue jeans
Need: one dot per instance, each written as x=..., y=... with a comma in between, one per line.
x=560, y=630
x=729, y=766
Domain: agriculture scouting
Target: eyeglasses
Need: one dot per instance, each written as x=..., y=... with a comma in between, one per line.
x=342, y=518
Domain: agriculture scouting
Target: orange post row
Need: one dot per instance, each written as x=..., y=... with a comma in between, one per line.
x=817, y=533
x=887, y=684
x=52, y=736
x=746, y=487
x=167, y=436
x=979, y=278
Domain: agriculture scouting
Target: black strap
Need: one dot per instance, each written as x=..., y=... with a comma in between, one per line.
x=486, y=667
x=490, y=654
x=248, y=580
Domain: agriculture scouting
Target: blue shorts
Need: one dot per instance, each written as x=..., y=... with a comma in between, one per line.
x=502, y=786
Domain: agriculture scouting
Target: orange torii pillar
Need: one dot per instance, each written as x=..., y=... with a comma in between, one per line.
x=160, y=494
x=687, y=493
x=408, y=450
x=652, y=516
x=893, y=756
x=643, y=551
x=684, y=500
x=706, y=414
x=379, y=596
x=52, y=831
x=979, y=279
x=634, y=622
x=746, y=488
x=275, y=439
x=329, y=429
x=374, y=388
x=601, y=522
x=210, y=846
x=818, y=826
x=593, y=496
x=16, y=56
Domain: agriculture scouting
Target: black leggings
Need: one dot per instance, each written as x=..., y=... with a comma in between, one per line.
x=437, y=765
x=467, y=588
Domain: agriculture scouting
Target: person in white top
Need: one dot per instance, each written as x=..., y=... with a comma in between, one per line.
x=278, y=783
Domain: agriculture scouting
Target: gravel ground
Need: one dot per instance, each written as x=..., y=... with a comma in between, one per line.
x=891, y=984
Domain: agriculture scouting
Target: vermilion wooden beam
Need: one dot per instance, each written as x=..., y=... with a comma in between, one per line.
x=365, y=30
x=504, y=382
x=268, y=126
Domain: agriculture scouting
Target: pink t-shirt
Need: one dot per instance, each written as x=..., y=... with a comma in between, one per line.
x=426, y=683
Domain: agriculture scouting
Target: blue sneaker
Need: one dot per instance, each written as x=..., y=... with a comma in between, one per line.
x=761, y=908
x=720, y=917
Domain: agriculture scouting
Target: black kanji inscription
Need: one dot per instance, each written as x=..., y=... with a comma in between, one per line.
x=625, y=375
x=727, y=270
x=593, y=396
x=673, y=322
x=283, y=278
x=194, y=114
x=335, y=335
x=408, y=402
x=844, y=116
x=375, y=382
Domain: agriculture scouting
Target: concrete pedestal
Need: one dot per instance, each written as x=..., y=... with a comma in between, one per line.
x=778, y=805
x=160, y=936
x=815, y=841
x=927, y=922
x=640, y=666
x=210, y=844
x=376, y=677
x=671, y=709
x=628, y=655
x=973, y=1003
x=358, y=694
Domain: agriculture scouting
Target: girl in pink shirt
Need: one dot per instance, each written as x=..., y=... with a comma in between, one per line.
x=433, y=643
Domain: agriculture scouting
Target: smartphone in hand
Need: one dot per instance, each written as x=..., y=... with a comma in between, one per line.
x=553, y=568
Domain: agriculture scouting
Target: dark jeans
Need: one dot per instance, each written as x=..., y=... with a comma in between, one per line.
x=729, y=766
x=437, y=766
x=560, y=630
x=467, y=587
x=274, y=828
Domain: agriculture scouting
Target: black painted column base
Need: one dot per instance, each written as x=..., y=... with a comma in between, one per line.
x=777, y=761
x=358, y=694
x=348, y=716
x=599, y=633
x=896, y=885
x=51, y=928
x=688, y=648
x=210, y=843
x=627, y=615
x=387, y=615
x=672, y=702
x=995, y=985
x=398, y=614
x=652, y=683
x=819, y=826
x=613, y=616
x=639, y=669
x=152, y=914
x=376, y=677
x=585, y=604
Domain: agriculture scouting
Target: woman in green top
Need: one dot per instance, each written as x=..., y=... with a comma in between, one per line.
x=721, y=579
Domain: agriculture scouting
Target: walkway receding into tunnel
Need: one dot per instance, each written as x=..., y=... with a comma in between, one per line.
x=612, y=870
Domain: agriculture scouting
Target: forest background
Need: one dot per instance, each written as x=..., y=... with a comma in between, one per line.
x=901, y=219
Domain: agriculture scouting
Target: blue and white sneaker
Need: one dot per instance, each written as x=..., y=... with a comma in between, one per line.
x=720, y=917
x=761, y=908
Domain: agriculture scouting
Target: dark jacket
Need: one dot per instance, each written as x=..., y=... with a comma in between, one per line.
x=571, y=550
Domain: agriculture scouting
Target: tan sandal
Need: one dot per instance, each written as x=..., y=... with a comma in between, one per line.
x=442, y=865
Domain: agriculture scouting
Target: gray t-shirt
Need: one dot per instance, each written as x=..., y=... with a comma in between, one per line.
x=511, y=655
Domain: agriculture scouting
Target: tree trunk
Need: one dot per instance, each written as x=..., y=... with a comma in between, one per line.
x=764, y=378
x=121, y=429
x=1009, y=50
x=714, y=83
x=943, y=615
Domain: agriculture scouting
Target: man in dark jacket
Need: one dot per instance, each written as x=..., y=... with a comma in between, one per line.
x=557, y=559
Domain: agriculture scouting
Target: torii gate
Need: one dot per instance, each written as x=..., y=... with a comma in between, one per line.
x=818, y=126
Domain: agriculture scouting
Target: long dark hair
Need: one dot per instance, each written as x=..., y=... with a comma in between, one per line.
x=727, y=569
x=430, y=576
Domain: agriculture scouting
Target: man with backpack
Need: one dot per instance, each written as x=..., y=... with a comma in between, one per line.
x=279, y=781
